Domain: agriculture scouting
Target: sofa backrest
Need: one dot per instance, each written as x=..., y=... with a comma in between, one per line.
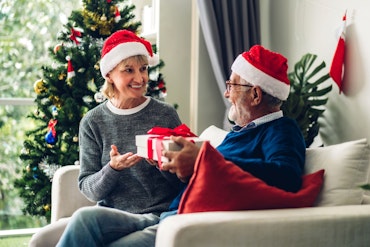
x=346, y=169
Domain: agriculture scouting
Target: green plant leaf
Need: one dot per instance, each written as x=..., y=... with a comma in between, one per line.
x=307, y=100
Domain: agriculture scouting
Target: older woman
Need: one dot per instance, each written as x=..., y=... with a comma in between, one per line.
x=131, y=193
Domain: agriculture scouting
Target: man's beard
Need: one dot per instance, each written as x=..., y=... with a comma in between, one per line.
x=232, y=114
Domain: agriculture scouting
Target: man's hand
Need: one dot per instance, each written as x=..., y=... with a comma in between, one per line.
x=121, y=161
x=181, y=162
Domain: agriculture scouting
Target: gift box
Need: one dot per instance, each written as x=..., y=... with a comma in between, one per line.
x=157, y=144
x=151, y=146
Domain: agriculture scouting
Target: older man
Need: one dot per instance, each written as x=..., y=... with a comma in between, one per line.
x=263, y=142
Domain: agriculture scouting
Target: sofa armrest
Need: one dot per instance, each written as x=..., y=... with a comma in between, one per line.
x=65, y=194
x=338, y=226
x=214, y=134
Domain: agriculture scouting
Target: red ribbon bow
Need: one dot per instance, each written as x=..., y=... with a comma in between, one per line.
x=51, y=126
x=162, y=133
x=74, y=35
x=181, y=130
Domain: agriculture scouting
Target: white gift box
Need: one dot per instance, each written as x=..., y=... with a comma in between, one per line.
x=143, y=140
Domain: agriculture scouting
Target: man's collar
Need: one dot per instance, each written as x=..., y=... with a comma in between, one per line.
x=264, y=119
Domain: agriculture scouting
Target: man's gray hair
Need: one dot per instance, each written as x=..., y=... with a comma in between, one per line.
x=270, y=100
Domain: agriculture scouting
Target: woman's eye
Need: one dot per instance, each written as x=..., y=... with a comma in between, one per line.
x=144, y=68
x=128, y=70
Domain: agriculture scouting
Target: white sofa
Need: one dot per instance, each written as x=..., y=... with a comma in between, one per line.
x=340, y=217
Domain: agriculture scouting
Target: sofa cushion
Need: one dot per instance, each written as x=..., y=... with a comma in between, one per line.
x=346, y=167
x=220, y=185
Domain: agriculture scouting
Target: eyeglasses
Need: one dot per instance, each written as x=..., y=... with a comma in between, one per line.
x=229, y=84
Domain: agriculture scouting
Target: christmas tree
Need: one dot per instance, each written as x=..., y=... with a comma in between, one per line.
x=69, y=88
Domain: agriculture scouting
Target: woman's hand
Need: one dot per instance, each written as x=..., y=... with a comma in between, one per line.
x=122, y=161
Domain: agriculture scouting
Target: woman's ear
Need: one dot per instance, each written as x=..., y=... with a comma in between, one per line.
x=108, y=78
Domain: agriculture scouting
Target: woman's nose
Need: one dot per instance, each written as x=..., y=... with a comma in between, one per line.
x=138, y=77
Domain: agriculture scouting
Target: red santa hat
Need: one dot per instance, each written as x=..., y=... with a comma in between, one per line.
x=121, y=45
x=264, y=68
x=70, y=69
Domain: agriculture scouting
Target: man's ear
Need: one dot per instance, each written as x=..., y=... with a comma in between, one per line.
x=257, y=95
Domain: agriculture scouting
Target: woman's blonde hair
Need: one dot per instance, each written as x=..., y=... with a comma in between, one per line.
x=108, y=88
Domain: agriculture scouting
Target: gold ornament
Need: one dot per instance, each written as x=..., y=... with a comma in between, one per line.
x=75, y=139
x=46, y=207
x=69, y=82
x=62, y=76
x=39, y=86
x=102, y=23
x=49, y=145
x=56, y=101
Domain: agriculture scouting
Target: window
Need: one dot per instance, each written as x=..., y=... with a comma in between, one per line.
x=24, y=43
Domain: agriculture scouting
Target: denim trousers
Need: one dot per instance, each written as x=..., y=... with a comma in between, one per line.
x=101, y=226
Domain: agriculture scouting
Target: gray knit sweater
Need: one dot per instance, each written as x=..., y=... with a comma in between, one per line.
x=139, y=189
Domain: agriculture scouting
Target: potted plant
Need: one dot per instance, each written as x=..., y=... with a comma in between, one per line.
x=308, y=96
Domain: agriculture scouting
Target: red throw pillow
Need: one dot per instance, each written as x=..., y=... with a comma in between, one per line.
x=220, y=185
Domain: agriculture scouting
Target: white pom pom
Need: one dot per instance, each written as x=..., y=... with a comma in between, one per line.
x=154, y=60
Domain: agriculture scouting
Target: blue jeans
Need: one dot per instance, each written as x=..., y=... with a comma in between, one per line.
x=101, y=226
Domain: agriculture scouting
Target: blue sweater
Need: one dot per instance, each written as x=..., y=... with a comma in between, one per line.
x=273, y=151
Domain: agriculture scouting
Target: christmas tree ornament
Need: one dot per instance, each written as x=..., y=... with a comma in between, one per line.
x=46, y=207
x=99, y=97
x=56, y=101
x=81, y=70
x=54, y=65
x=54, y=111
x=103, y=18
x=117, y=15
x=87, y=99
x=62, y=76
x=162, y=94
x=51, y=135
x=57, y=48
x=75, y=35
x=48, y=169
x=70, y=69
x=75, y=139
x=39, y=86
x=157, y=87
x=35, y=175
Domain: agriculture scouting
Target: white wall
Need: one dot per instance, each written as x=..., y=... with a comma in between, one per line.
x=174, y=48
x=187, y=71
x=295, y=28
x=292, y=27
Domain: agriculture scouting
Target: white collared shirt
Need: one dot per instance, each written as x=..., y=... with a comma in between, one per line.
x=265, y=119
